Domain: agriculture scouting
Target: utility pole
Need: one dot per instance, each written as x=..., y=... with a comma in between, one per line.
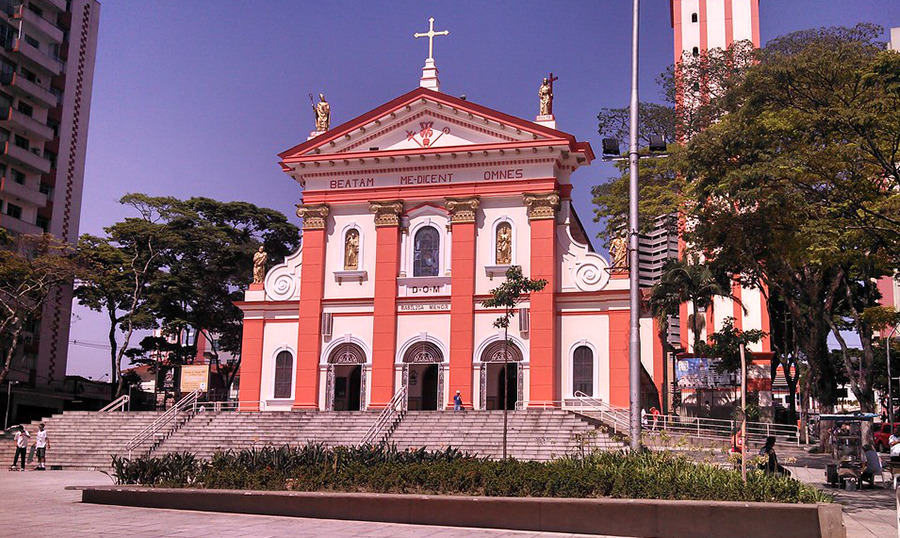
x=634, y=348
x=743, y=414
x=890, y=379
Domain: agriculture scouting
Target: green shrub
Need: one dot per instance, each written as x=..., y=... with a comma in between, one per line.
x=380, y=469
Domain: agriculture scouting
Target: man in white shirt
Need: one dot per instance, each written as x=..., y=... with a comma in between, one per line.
x=41, y=445
x=21, y=439
x=894, y=442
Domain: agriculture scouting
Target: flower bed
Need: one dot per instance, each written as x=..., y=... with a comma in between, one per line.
x=375, y=469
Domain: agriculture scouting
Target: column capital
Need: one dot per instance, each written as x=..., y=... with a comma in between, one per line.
x=387, y=212
x=313, y=215
x=462, y=210
x=541, y=205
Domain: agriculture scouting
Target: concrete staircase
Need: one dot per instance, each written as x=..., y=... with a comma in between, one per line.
x=82, y=439
x=536, y=434
x=86, y=440
x=208, y=432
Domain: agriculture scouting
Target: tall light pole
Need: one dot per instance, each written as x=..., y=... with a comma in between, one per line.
x=890, y=381
x=634, y=349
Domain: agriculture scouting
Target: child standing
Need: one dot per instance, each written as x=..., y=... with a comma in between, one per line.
x=41, y=445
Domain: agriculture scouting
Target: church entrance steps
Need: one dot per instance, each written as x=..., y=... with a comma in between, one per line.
x=86, y=440
x=532, y=434
x=83, y=439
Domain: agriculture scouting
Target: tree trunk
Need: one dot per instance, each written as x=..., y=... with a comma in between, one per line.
x=113, y=345
x=696, y=325
x=804, y=410
x=13, y=344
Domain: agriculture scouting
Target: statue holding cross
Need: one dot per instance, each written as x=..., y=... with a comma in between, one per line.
x=430, y=34
x=546, y=95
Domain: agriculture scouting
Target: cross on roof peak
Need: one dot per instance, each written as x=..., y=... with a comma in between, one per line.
x=430, y=34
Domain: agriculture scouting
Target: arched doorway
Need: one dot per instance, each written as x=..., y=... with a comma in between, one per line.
x=346, y=379
x=502, y=382
x=423, y=376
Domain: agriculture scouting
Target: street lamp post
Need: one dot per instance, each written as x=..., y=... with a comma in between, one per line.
x=634, y=348
x=890, y=380
x=8, y=402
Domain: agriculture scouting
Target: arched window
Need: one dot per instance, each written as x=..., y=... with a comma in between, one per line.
x=696, y=52
x=284, y=373
x=583, y=371
x=694, y=17
x=426, y=252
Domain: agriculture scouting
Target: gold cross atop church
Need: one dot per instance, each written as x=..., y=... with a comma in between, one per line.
x=430, y=35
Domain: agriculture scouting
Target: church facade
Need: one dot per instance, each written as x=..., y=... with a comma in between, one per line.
x=412, y=213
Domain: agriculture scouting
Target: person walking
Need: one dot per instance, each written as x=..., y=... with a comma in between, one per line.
x=41, y=444
x=21, y=439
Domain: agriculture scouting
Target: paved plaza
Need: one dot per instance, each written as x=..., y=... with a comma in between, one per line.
x=36, y=504
x=868, y=513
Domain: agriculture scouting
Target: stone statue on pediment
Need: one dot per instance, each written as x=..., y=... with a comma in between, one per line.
x=546, y=96
x=322, y=111
x=618, y=253
x=259, y=265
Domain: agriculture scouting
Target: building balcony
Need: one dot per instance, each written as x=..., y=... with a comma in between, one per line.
x=19, y=122
x=36, y=23
x=21, y=86
x=32, y=162
x=22, y=194
x=58, y=5
x=18, y=226
x=44, y=62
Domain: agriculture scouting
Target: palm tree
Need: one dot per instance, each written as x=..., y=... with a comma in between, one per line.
x=686, y=281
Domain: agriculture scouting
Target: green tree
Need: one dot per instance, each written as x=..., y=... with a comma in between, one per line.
x=507, y=296
x=725, y=345
x=664, y=302
x=690, y=281
x=799, y=204
x=122, y=267
x=31, y=268
x=208, y=266
x=695, y=91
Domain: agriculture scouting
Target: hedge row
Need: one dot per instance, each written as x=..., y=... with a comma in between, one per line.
x=375, y=469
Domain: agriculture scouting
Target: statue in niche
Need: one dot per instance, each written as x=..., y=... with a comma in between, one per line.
x=618, y=252
x=546, y=95
x=322, y=111
x=351, y=250
x=259, y=265
x=504, y=244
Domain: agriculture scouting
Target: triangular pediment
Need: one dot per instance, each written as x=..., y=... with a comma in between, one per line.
x=426, y=121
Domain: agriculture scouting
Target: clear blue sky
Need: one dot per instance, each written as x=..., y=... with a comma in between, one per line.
x=195, y=98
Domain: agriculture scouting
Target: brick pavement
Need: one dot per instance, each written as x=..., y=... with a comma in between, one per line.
x=36, y=504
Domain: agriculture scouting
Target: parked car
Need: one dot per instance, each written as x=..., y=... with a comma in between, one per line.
x=882, y=432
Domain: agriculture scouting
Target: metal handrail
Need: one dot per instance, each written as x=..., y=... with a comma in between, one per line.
x=117, y=405
x=608, y=413
x=164, y=420
x=696, y=427
x=386, y=416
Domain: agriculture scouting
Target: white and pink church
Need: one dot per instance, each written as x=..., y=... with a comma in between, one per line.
x=412, y=212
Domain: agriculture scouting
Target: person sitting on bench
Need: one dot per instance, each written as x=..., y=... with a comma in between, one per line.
x=873, y=465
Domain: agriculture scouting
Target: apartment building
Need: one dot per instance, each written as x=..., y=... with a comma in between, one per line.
x=47, y=53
